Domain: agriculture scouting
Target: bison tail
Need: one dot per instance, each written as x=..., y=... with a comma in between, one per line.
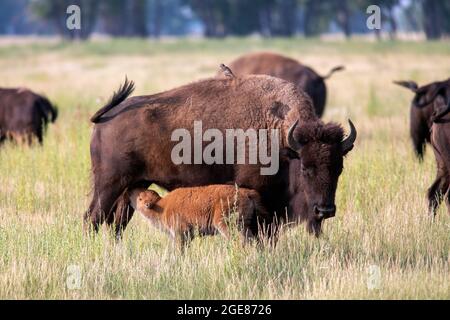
x=335, y=69
x=48, y=109
x=119, y=96
x=53, y=112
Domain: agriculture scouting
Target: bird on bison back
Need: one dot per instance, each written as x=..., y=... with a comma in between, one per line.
x=421, y=111
x=131, y=147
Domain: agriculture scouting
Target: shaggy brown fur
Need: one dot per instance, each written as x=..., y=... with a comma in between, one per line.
x=24, y=115
x=279, y=66
x=205, y=210
x=131, y=146
x=422, y=108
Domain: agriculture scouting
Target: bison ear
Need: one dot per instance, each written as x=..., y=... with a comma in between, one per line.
x=288, y=154
x=411, y=85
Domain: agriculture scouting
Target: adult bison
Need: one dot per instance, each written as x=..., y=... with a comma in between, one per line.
x=440, y=141
x=279, y=66
x=422, y=108
x=132, y=146
x=24, y=115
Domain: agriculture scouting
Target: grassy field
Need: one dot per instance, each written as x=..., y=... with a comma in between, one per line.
x=381, y=244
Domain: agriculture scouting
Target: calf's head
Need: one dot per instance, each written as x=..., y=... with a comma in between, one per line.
x=143, y=200
x=317, y=152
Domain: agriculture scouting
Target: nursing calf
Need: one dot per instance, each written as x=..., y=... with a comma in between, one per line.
x=203, y=209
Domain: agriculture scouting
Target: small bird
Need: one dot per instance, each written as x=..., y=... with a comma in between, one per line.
x=226, y=71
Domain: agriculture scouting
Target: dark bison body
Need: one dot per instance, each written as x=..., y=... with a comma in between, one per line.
x=24, y=115
x=131, y=147
x=422, y=108
x=276, y=65
x=440, y=141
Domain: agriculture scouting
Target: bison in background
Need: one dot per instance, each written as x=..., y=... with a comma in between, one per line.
x=282, y=67
x=131, y=147
x=440, y=141
x=422, y=109
x=24, y=115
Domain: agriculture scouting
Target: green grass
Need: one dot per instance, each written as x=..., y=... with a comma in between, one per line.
x=381, y=219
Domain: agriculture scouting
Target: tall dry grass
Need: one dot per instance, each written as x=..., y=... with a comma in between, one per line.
x=381, y=244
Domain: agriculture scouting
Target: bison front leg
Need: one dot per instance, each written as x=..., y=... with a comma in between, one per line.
x=436, y=192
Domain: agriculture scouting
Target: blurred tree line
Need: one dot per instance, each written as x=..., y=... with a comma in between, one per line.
x=219, y=18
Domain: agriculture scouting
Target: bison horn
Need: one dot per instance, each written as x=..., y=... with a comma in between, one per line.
x=292, y=143
x=347, y=144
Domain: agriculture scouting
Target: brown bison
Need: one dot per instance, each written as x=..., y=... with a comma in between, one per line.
x=185, y=211
x=24, y=115
x=422, y=109
x=132, y=146
x=440, y=141
x=279, y=66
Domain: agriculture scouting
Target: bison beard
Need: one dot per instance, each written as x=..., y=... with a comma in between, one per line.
x=131, y=147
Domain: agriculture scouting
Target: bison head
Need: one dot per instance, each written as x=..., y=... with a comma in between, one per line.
x=421, y=112
x=317, y=162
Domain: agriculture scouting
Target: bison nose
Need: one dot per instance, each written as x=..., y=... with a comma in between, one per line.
x=324, y=212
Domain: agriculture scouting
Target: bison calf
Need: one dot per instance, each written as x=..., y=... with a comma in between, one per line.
x=202, y=209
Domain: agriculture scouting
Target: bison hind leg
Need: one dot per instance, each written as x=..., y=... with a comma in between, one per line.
x=106, y=197
x=121, y=214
